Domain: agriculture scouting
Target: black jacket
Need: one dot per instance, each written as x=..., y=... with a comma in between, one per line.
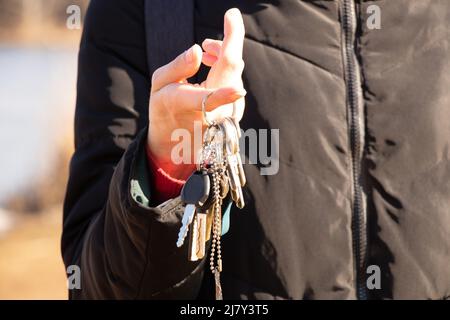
x=364, y=152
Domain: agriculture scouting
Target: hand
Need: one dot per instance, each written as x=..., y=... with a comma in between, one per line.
x=175, y=103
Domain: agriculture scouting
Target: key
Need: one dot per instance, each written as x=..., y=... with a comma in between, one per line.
x=232, y=172
x=224, y=186
x=228, y=148
x=241, y=172
x=201, y=223
x=236, y=150
x=197, y=243
x=210, y=200
x=235, y=185
x=234, y=157
x=193, y=240
x=231, y=147
x=188, y=216
x=237, y=196
x=194, y=193
x=219, y=143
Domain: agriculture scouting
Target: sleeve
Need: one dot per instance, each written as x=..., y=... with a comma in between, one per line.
x=124, y=246
x=168, y=186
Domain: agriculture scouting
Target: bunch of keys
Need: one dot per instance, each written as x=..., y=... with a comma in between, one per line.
x=218, y=173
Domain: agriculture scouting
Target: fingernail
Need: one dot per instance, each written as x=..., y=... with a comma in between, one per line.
x=241, y=92
x=190, y=55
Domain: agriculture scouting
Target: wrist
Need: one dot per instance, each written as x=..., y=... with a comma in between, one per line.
x=178, y=172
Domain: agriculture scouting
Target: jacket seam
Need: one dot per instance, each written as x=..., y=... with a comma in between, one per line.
x=293, y=55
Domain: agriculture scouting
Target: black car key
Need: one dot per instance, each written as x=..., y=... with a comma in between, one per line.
x=194, y=194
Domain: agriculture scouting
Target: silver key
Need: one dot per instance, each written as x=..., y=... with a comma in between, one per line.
x=231, y=151
x=241, y=172
x=232, y=171
x=236, y=150
x=236, y=192
x=194, y=194
x=188, y=217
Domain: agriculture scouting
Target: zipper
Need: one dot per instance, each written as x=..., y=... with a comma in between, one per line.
x=357, y=128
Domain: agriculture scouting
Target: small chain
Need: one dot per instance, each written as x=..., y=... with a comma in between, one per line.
x=214, y=162
x=217, y=208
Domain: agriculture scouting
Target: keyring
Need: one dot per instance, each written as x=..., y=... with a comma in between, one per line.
x=234, y=111
x=205, y=115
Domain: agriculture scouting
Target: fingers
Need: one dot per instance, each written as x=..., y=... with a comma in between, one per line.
x=208, y=59
x=212, y=51
x=188, y=98
x=212, y=46
x=179, y=69
x=233, y=40
x=223, y=96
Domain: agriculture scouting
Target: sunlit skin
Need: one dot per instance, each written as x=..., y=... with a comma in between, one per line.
x=175, y=103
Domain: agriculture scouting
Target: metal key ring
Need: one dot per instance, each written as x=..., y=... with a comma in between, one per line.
x=233, y=115
x=205, y=114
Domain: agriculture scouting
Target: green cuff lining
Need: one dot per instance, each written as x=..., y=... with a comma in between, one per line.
x=140, y=187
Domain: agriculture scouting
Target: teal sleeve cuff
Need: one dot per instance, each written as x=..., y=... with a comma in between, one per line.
x=140, y=181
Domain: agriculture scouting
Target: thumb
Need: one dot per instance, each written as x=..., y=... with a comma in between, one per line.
x=182, y=67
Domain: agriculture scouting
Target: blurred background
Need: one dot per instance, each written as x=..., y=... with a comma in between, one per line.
x=38, y=64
